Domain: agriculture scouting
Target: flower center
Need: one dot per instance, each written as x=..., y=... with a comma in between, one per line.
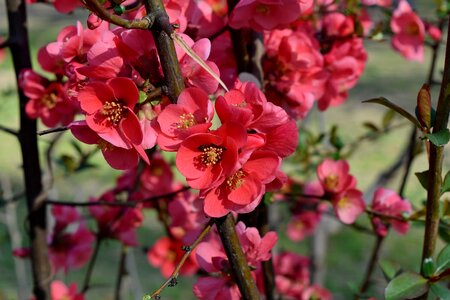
x=412, y=29
x=236, y=180
x=186, y=121
x=104, y=145
x=49, y=100
x=113, y=111
x=262, y=9
x=211, y=155
x=331, y=181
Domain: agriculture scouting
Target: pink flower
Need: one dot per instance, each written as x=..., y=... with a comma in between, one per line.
x=348, y=205
x=242, y=191
x=70, y=250
x=192, y=114
x=389, y=203
x=267, y=14
x=409, y=32
x=59, y=291
x=47, y=101
x=302, y=225
x=2, y=51
x=334, y=176
x=291, y=274
x=23, y=252
x=316, y=292
x=166, y=253
x=109, y=111
x=66, y=6
x=116, y=222
x=194, y=74
x=207, y=158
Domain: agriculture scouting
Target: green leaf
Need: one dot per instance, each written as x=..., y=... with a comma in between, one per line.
x=428, y=267
x=443, y=259
x=444, y=234
x=439, y=138
x=390, y=269
x=440, y=291
x=423, y=178
x=396, y=108
x=446, y=183
x=406, y=286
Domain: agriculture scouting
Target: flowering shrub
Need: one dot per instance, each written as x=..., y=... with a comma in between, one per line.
x=203, y=130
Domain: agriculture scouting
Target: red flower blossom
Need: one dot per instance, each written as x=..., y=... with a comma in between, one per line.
x=109, y=111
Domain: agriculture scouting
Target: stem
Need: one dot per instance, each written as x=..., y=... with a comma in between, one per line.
x=9, y=130
x=409, y=160
x=435, y=164
x=372, y=264
x=20, y=51
x=161, y=31
x=121, y=271
x=104, y=14
x=176, y=272
x=238, y=263
x=88, y=276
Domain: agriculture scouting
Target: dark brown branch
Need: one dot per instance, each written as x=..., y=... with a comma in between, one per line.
x=52, y=130
x=87, y=278
x=9, y=130
x=161, y=30
x=238, y=263
x=20, y=51
x=121, y=271
x=110, y=17
x=435, y=163
x=372, y=264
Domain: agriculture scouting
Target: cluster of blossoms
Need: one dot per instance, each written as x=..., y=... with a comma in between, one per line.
x=229, y=145
x=336, y=185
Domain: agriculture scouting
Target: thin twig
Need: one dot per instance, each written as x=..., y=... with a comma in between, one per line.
x=9, y=130
x=176, y=272
x=372, y=264
x=117, y=203
x=52, y=130
x=121, y=271
x=88, y=275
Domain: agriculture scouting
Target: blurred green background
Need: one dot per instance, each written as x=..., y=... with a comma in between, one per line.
x=387, y=74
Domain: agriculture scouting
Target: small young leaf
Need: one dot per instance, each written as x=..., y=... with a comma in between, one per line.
x=440, y=291
x=439, y=138
x=446, y=183
x=443, y=259
x=406, y=286
x=423, y=178
x=398, y=109
x=390, y=269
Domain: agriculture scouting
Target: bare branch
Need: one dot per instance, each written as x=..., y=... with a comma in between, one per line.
x=9, y=130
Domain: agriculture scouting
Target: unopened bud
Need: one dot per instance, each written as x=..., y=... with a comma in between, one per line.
x=93, y=21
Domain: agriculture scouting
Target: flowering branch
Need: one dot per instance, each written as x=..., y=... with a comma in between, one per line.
x=239, y=266
x=20, y=51
x=112, y=18
x=172, y=280
x=435, y=163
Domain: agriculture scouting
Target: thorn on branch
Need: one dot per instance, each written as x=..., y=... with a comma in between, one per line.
x=173, y=282
x=9, y=130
